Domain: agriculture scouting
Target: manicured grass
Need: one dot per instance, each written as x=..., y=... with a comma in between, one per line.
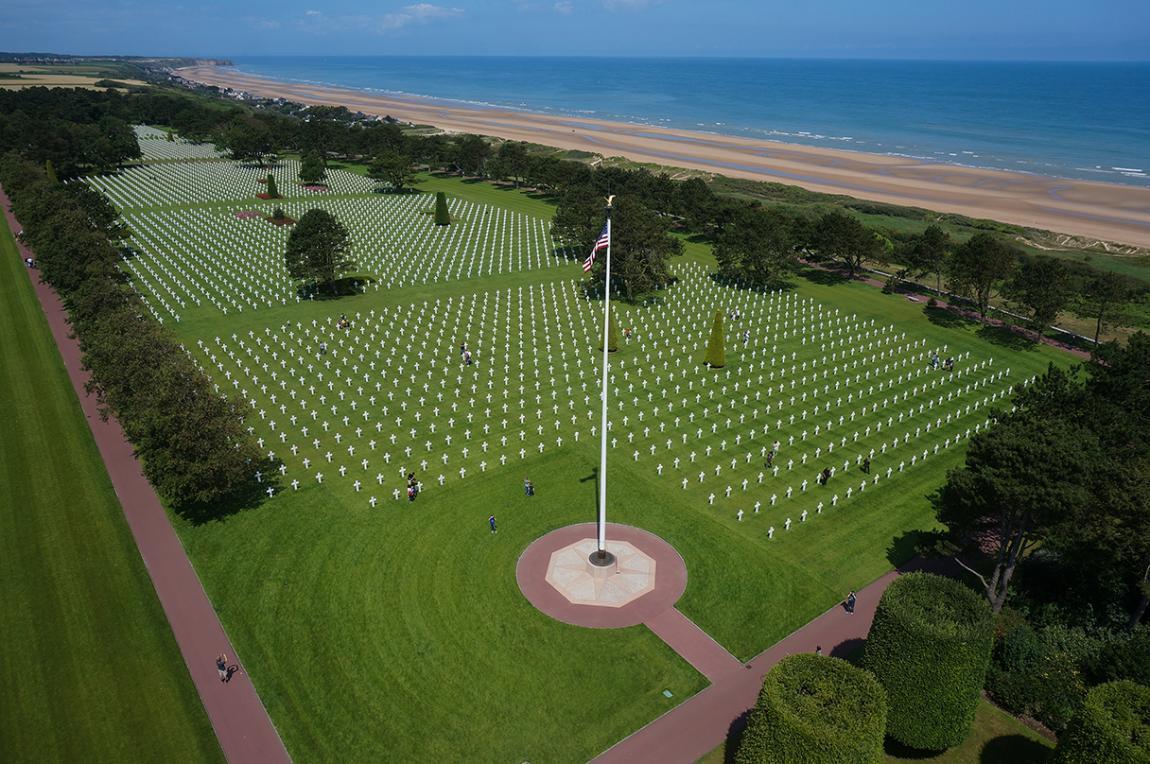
x=398, y=631
x=89, y=668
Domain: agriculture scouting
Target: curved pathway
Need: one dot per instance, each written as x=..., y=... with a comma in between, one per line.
x=241, y=722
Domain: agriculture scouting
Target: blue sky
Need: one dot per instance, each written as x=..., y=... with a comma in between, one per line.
x=950, y=29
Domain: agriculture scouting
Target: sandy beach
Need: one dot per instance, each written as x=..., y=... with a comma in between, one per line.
x=1098, y=211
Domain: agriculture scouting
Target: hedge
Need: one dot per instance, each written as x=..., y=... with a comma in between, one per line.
x=816, y=710
x=930, y=647
x=716, y=356
x=1112, y=727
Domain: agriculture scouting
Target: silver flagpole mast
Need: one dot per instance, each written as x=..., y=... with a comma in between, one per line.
x=603, y=557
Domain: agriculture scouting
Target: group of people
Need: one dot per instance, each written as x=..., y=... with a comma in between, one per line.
x=947, y=365
x=412, y=487
x=465, y=354
x=343, y=323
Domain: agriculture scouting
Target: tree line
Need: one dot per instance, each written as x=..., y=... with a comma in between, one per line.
x=189, y=437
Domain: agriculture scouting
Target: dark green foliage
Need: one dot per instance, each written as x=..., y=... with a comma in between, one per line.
x=273, y=191
x=979, y=265
x=189, y=436
x=392, y=168
x=248, y=139
x=472, y=153
x=839, y=237
x=317, y=249
x=50, y=172
x=442, y=214
x=169, y=136
x=511, y=161
x=927, y=254
x=754, y=247
x=1041, y=287
x=816, y=710
x=716, y=356
x=311, y=168
x=1128, y=658
x=1113, y=727
x=279, y=214
x=930, y=646
x=1106, y=297
x=1035, y=673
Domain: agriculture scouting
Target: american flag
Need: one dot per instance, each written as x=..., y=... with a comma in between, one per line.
x=601, y=243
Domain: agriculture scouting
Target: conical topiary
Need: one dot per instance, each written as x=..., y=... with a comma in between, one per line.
x=171, y=137
x=273, y=192
x=612, y=334
x=50, y=171
x=442, y=216
x=716, y=356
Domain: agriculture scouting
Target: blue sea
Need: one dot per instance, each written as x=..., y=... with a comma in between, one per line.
x=1073, y=120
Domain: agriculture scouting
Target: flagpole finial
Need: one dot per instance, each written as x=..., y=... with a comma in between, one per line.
x=610, y=201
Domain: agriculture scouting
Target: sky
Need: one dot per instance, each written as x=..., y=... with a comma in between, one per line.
x=1101, y=30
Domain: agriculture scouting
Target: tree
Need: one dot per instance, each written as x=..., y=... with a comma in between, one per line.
x=100, y=212
x=1042, y=287
x=1112, y=727
x=169, y=136
x=247, y=140
x=716, y=356
x=640, y=249
x=272, y=191
x=317, y=249
x=817, y=710
x=311, y=168
x=442, y=214
x=472, y=153
x=513, y=160
x=1024, y=477
x=612, y=334
x=754, y=246
x=928, y=254
x=392, y=168
x=929, y=647
x=1103, y=295
x=839, y=236
x=978, y=265
x=279, y=214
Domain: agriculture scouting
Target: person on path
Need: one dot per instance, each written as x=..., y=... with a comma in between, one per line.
x=222, y=666
x=491, y=524
x=528, y=487
x=818, y=649
x=851, y=602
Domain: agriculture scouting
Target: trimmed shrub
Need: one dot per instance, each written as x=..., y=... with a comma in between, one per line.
x=273, y=192
x=442, y=216
x=1036, y=673
x=930, y=647
x=716, y=356
x=278, y=214
x=1112, y=727
x=50, y=172
x=816, y=710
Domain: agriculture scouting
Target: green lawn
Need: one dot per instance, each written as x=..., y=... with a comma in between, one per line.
x=398, y=631
x=89, y=667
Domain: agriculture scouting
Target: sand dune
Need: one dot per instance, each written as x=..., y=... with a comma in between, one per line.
x=1104, y=211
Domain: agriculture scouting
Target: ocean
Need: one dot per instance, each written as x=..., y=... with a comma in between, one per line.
x=1071, y=120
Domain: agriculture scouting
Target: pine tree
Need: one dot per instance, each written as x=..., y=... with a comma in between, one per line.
x=612, y=334
x=278, y=214
x=716, y=356
x=442, y=216
x=273, y=192
x=171, y=138
x=50, y=171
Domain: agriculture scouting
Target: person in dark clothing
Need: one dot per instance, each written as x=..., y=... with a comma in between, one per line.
x=851, y=602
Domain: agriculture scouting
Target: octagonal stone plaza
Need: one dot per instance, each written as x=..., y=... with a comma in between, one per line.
x=555, y=575
x=631, y=576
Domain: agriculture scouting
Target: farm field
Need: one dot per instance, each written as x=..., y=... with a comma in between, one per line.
x=366, y=620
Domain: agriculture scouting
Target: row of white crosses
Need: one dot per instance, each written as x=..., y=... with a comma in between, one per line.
x=202, y=182
x=391, y=395
x=197, y=256
x=155, y=147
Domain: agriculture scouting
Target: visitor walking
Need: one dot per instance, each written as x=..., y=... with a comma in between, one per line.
x=851, y=602
x=222, y=666
x=491, y=524
x=866, y=465
x=528, y=487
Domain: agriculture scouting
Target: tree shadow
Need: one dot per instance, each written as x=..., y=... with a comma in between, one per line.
x=913, y=545
x=849, y=649
x=945, y=318
x=248, y=496
x=1014, y=749
x=823, y=278
x=735, y=736
x=899, y=751
x=1005, y=336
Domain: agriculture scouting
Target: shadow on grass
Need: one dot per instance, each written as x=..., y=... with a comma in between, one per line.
x=945, y=318
x=1014, y=749
x=900, y=751
x=1004, y=336
x=823, y=278
x=914, y=546
x=249, y=496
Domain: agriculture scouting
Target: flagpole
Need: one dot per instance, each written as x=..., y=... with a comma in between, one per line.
x=602, y=557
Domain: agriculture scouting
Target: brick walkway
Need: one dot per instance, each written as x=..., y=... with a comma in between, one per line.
x=241, y=723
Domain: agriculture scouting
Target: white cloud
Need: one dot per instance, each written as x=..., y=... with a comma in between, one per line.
x=312, y=13
x=628, y=5
x=419, y=12
x=564, y=7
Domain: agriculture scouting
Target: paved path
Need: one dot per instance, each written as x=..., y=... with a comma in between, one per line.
x=699, y=725
x=241, y=723
x=693, y=644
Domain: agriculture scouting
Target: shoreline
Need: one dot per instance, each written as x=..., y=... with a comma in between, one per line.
x=1093, y=210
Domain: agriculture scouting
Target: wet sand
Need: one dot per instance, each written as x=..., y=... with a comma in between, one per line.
x=1098, y=211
